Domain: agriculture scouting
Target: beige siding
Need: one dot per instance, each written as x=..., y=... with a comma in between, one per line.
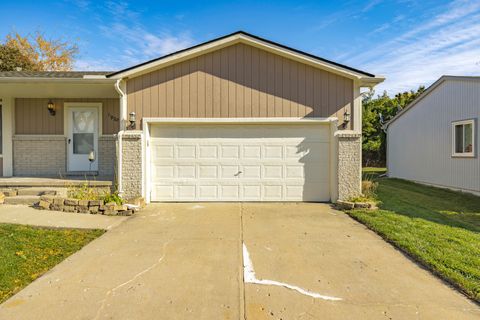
x=240, y=81
x=32, y=117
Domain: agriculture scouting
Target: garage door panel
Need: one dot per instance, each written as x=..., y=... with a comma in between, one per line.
x=186, y=151
x=251, y=172
x=185, y=192
x=208, y=152
x=230, y=192
x=252, y=191
x=252, y=152
x=240, y=163
x=272, y=172
x=163, y=192
x=230, y=152
x=208, y=192
x=163, y=172
x=208, y=171
x=163, y=151
x=186, y=171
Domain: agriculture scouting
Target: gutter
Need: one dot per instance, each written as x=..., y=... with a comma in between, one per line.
x=55, y=80
x=123, y=106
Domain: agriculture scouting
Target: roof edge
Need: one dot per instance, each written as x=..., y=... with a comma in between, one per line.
x=430, y=89
x=246, y=35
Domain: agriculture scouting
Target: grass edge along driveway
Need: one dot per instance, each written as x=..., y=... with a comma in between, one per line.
x=438, y=228
x=28, y=252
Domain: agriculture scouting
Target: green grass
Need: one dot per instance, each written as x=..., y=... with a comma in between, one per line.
x=439, y=228
x=371, y=173
x=28, y=252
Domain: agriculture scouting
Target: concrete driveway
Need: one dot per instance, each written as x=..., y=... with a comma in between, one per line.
x=185, y=261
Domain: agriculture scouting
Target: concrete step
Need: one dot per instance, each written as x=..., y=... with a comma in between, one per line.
x=36, y=192
x=24, y=200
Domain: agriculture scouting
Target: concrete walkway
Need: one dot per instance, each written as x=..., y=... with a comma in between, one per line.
x=29, y=216
x=185, y=261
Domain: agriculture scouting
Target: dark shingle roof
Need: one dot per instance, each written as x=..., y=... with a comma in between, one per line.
x=51, y=74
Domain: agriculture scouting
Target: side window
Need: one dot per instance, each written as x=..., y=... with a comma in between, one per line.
x=463, y=138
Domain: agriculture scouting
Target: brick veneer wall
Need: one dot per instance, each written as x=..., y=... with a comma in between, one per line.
x=349, y=148
x=37, y=156
x=131, y=164
x=107, y=156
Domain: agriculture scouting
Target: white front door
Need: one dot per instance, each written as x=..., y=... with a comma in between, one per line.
x=82, y=139
x=240, y=162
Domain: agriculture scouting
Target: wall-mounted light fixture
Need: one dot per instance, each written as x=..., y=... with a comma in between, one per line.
x=346, y=116
x=51, y=107
x=132, y=118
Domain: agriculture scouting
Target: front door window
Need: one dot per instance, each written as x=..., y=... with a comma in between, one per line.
x=83, y=132
x=83, y=139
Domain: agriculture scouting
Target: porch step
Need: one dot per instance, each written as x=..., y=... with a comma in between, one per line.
x=36, y=192
x=23, y=200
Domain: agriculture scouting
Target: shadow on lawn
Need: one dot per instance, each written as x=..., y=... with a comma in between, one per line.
x=455, y=209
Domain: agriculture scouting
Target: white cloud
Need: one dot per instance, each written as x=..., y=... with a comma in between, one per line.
x=448, y=43
x=132, y=41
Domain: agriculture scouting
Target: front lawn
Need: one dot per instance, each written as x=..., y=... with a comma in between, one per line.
x=439, y=228
x=28, y=252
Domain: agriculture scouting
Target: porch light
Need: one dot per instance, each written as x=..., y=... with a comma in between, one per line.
x=346, y=117
x=51, y=107
x=132, y=118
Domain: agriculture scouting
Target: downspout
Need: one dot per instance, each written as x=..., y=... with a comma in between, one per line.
x=123, y=98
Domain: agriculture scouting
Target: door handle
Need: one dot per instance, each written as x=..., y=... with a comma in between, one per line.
x=69, y=140
x=238, y=173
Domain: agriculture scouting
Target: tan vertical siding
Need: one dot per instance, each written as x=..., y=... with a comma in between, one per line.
x=32, y=117
x=240, y=81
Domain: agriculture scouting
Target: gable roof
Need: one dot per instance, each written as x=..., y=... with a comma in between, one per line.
x=430, y=89
x=244, y=37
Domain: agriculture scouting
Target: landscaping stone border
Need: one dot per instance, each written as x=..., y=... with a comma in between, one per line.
x=83, y=206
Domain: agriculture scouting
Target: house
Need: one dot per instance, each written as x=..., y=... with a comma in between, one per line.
x=238, y=118
x=434, y=139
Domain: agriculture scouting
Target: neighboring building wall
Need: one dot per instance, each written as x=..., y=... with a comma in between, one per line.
x=240, y=81
x=131, y=164
x=420, y=141
x=349, y=164
x=32, y=117
x=37, y=156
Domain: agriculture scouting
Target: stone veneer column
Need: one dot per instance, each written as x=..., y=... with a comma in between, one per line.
x=349, y=164
x=132, y=164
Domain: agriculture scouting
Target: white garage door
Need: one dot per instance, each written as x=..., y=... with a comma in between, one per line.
x=239, y=162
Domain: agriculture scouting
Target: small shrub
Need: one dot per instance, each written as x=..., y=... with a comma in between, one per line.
x=84, y=192
x=112, y=197
x=369, y=188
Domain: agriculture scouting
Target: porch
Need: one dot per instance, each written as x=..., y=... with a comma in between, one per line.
x=55, y=182
x=28, y=190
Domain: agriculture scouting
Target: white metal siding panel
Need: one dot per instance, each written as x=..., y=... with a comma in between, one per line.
x=240, y=162
x=420, y=141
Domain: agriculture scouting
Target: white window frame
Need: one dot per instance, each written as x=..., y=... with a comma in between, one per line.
x=463, y=154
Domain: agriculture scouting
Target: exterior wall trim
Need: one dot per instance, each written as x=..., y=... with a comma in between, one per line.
x=240, y=120
x=247, y=39
x=8, y=129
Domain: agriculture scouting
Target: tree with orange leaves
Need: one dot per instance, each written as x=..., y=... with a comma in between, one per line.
x=44, y=54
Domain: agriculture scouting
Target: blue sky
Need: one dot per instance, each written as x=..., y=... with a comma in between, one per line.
x=411, y=42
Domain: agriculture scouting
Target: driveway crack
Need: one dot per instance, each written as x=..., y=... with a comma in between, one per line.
x=112, y=291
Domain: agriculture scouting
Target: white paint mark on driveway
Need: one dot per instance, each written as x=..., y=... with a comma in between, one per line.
x=250, y=277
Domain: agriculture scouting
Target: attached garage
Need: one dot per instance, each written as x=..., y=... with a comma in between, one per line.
x=241, y=118
x=246, y=162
